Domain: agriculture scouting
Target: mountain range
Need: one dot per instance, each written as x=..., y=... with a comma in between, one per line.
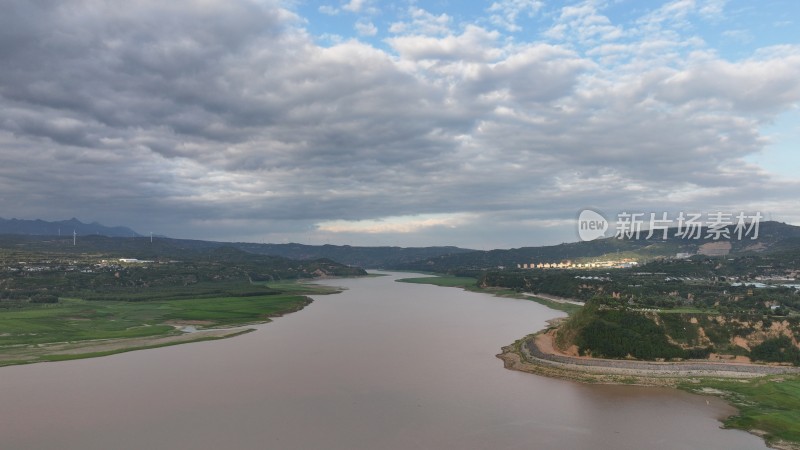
x=42, y=235
x=62, y=227
x=772, y=237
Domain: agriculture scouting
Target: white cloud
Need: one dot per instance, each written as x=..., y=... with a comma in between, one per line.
x=585, y=24
x=741, y=36
x=474, y=44
x=355, y=5
x=366, y=28
x=504, y=13
x=768, y=83
x=713, y=9
x=328, y=9
x=423, y=23
x=225, y=119
x=396, y=224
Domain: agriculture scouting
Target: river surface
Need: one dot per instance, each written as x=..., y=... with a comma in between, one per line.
x=383, y=365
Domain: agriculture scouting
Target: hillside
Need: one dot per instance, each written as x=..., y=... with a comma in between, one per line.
x=36, y=269
x=773, y=236
x=744, y=305
x=372, y=257
x=43, y=235
x=649, y=335
x=63, y=227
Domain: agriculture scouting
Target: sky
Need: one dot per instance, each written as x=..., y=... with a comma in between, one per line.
x=410, y=123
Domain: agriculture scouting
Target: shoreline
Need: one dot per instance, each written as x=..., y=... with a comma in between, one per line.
x=188, y=333
x=66, y=351
x=687, y=376
x=526, y=355
x=540, y=348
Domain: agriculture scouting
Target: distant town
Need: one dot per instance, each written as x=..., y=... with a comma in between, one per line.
x=624, y=263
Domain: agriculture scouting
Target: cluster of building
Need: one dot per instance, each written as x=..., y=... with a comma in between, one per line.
x=611, y=264
x=133, y=261
x=791, y=275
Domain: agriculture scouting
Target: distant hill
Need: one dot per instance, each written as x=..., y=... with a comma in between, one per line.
x=369, y=257
x=114, y=247
x=63, y=227
x=162, y=247
x=773, y=237
x=134, y=269
x=372, y=257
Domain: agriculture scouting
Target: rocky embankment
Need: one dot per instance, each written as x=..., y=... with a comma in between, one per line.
x=536, y=354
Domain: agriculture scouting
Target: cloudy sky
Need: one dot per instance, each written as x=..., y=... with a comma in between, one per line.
x=403, y=122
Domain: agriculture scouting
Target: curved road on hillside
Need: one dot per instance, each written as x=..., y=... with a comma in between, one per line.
x=532, y=351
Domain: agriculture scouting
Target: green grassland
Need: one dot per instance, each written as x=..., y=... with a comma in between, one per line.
x=26, y=334
x=468, y=283
x=107, y=295
x=471, y=284
x=768, y=406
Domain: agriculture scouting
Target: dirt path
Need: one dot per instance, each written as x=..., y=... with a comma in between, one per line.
x=553, y=298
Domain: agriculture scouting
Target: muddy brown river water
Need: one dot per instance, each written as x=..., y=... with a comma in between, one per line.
x=383, y=365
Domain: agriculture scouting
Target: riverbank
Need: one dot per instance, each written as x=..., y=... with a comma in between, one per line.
x=537, y=353
x=470, y=284
x=94, y=349
x=768, y=403
x=767, y=397
x=76, y=328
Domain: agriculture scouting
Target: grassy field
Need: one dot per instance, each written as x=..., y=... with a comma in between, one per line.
x=768, y=405
x=568, y=308
x=27, y=335
x=470, y=284
x=447, y=281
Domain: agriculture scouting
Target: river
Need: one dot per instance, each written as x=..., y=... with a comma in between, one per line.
x=383, y=365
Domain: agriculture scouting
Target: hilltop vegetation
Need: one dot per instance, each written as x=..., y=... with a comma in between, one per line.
x=773, y=237
x=700, y=283
x=368, y=257
x=599, y=331
x=40, y=270
x=676, y=308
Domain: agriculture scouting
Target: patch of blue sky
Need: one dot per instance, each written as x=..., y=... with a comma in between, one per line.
x=782, y=155
x=733, y=29
x=327, y=22
x=744, y=26
x=372, y=21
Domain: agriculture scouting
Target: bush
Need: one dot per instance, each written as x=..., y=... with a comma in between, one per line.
x=618, y=334
x=44, y=298
x=780, y=349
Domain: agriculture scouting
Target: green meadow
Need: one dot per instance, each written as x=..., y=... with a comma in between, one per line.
x=471, y=284
x=768, y=406
x=468, y=283
x=28, y=334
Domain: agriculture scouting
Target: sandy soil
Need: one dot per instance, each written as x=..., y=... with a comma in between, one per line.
x=127, y=344
x=35, y=353
x=553, y=298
